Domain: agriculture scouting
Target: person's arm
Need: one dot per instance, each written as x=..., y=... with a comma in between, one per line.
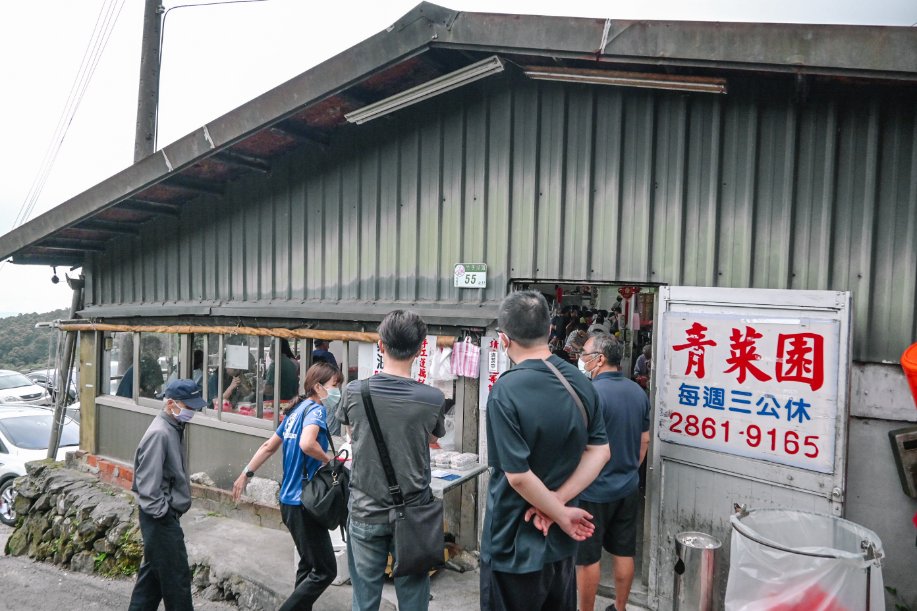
x=572, y=520
x=232, y=387
x=589, y=467
x=267, y=449
x=148, y=476
x=644, y=445
x=308, y=443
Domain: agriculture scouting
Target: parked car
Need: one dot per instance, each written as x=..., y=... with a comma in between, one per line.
x=24, y=435
x=17, y=388
x=50, y=380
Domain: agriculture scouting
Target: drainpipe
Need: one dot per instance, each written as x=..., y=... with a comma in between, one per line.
x=60, y=402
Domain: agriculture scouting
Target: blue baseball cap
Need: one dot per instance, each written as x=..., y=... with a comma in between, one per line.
x=187, y=392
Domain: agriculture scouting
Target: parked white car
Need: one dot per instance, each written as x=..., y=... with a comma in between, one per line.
x=17, y=388
x=24, y=435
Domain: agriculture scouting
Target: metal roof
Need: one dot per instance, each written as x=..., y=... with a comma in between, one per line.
x=429, y=41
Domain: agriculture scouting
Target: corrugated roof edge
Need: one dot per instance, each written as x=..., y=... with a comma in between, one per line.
x=878, y=52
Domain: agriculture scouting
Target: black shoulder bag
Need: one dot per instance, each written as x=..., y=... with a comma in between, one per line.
x=418, y=529
x=325, y=496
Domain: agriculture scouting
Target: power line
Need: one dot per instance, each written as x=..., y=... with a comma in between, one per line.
x=106, y=20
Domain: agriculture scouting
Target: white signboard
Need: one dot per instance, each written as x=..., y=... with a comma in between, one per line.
x=470, y=275
x=493, y=362
x=237, y=357
x=369, y=360
x=764, y=388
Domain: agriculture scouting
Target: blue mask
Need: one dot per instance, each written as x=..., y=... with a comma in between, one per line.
x=333, y=398
x=185, y=415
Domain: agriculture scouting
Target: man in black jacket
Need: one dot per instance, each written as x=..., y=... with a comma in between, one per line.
x=164, y=494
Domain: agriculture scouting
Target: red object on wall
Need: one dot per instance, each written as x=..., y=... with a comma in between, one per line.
x=909, y=365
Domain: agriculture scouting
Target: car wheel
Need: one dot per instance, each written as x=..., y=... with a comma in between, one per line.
x=7, y=496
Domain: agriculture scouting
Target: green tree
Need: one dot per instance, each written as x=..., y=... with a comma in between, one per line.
x=22, y=346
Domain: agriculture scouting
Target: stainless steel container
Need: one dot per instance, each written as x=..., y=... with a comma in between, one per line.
x=695, y=567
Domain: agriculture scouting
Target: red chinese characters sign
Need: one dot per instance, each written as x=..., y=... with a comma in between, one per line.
x=764, y=389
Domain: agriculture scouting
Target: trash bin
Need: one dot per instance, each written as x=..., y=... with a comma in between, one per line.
x=695, y=567
x=783, y=559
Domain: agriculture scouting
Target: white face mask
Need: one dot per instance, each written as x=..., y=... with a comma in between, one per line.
x=582, y=367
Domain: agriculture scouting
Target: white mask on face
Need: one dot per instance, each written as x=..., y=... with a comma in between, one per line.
x=582, y=367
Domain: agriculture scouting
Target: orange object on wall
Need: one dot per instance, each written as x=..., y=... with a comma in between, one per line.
x=909, y=364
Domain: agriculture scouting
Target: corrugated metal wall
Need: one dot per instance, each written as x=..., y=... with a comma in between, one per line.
x=550, y=181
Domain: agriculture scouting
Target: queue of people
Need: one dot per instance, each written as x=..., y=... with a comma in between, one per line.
x=557, y=493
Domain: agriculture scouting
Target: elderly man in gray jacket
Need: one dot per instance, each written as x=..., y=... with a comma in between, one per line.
x=164, y=494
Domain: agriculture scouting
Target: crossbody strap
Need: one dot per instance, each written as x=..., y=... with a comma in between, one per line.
x=576, y=399
x=327, y=434
x=393, y=487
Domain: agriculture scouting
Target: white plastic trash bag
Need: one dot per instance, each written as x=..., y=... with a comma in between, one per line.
x=785, y=560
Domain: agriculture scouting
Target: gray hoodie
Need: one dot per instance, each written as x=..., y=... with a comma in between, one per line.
x=160, y=478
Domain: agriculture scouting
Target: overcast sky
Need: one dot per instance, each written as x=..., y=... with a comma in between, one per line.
x=215, y=58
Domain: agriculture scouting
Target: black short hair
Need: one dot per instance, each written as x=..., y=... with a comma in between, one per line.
x=402, y=333
x=525, y=318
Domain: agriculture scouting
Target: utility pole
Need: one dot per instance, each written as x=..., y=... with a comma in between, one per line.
x=64, y=367
x=148, y=95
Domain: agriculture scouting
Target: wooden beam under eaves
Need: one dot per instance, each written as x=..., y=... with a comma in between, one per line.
x=154, y=208
x=204, y=187
x=52, y=243
x=300, y=133
x=241, y=160
x=121, y=228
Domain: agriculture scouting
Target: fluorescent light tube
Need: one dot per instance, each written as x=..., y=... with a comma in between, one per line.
x=701, y=84
x=447, y=82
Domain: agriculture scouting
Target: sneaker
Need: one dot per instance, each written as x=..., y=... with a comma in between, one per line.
x=611, y=607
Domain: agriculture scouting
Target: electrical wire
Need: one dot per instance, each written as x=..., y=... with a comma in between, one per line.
x=106, y=20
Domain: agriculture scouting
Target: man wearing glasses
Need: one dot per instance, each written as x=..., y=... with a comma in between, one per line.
x=614, y=497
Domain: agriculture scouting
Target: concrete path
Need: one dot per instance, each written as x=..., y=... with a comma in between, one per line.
x=252, y=563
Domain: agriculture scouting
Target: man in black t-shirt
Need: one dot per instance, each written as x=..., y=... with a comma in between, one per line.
x=543, y=453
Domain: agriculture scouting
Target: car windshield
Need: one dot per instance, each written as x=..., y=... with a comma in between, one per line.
x=14, y=380
x=33, y=432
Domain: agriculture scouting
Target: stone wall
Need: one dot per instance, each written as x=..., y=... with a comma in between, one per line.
x=75, y=521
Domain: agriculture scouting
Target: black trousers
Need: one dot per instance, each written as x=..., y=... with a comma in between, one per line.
x=164, y=573
x=553, y=588
x=317, y=566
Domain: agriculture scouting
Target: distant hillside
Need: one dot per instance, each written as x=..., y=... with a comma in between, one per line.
x=22, y=346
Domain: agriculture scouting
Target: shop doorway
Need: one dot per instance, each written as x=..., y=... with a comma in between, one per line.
x=630, y=311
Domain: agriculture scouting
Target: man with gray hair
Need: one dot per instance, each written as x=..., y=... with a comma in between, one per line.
x=543, y=451
x=614, y=497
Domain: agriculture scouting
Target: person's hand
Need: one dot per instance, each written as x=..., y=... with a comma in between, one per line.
x=576, y=523
x=236, y=380
x=239, y=487
x=539, y=520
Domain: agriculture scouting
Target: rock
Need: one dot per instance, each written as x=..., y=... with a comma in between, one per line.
x=203, y=479
x=83, y=562
x=103, y=546
x=27, y=487
x=38, y=524
x=201, y=578
x=89, y=530
x=22, y=505
x=116, y=532
x=264, y=491
x=18, y=543
x=213, y=592
x=38, y=467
